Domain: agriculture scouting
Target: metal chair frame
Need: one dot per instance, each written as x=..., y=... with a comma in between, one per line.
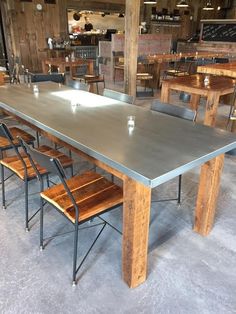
x=54, y=166
x=178, y=112
x=118, y=96
x=146, y=75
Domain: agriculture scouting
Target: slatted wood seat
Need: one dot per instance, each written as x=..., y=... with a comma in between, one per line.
x=4, y=142
x=92, y=192
x=79, y=198
x=14, y=163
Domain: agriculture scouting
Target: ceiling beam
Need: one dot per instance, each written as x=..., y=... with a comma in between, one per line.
x=95, y=6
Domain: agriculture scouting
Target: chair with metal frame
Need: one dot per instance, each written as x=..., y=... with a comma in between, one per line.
x=78, y=85
x=145, y=69
x=118, y=63
x=94, y=78
x=19, y=165
x=79, y=199
x=181, y=67
x=178, y=112
x=118, y=96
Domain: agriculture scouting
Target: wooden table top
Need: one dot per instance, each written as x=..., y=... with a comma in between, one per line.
x=152, y=153
x=221, y=69
x=175, y=57
x=196, y=82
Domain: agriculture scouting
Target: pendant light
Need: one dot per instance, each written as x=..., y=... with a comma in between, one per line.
x=208, y=6
x=182, y=4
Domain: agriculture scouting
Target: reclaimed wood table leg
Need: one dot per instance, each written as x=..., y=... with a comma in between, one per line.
x=90, y=67
x=44, y=67
x=207, y=195
x=211, y=108
x=165, y=92
x=136, y=214
x=194, y=102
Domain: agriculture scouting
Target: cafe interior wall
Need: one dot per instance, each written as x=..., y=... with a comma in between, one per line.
x=99, y=22
x=26, y=29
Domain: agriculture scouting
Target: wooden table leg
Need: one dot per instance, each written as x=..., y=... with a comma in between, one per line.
x=211, y=108
x=207, y=195
x=165, y=93
x=44, y=67
x=90, y=67
x=194, y=102
x=136, y=214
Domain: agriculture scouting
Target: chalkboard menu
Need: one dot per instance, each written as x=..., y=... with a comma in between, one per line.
x=219, y=32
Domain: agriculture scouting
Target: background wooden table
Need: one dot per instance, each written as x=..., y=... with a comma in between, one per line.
x=194, y=85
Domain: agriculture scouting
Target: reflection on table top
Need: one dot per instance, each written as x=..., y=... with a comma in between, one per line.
x=158, y=148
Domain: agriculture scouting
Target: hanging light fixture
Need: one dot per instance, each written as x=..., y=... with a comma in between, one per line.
x=208, y=6
x=182, y=4
x=149, y=1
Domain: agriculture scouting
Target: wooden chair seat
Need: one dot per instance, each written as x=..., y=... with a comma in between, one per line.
x=120, y=66
x=176, y=73
x=92, y=193
x=4, y=143
x=15, y=164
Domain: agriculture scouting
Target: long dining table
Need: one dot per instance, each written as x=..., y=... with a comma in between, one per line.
x=154, y=150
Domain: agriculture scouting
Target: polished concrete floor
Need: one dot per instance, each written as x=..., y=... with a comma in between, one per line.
x=187, y=273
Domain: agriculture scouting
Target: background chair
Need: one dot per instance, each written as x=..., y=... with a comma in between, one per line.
x=118, y=96
x=78, y=199
x=78, y=85
x=179, y=68
x=145, y=76
x=20, y=166
x=178, y=112
x=118, y=63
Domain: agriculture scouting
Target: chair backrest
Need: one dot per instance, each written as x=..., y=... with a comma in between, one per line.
x=40, y=77
x=6, y=133
x=52, y=165
x=173, y=110
x=118, y=96
x=78, y=85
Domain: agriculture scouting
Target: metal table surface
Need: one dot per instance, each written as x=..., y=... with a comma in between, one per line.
x=159, y=148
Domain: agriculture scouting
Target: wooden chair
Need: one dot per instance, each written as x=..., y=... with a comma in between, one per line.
x=145, y=75
x=178, y=112
x=180, y=68
x=78, y=199
x=118, y=63
x=20, y=165
x=94, y=78
x=118, y=96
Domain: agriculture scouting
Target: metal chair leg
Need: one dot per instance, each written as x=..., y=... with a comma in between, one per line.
x=37, y=138
x=41, y=224
x=26, y=206
x=75, y=253
x=179, y=189
x=3, y=188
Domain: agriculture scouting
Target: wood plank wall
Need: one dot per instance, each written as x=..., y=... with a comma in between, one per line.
x=26, y=29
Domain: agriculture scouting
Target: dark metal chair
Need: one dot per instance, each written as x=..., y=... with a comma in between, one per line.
x=79, y=199
x=178, y=112
x=78, y=85
x=180, y=68
x=19, y=165
x=118, y=96
x=232, y=111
